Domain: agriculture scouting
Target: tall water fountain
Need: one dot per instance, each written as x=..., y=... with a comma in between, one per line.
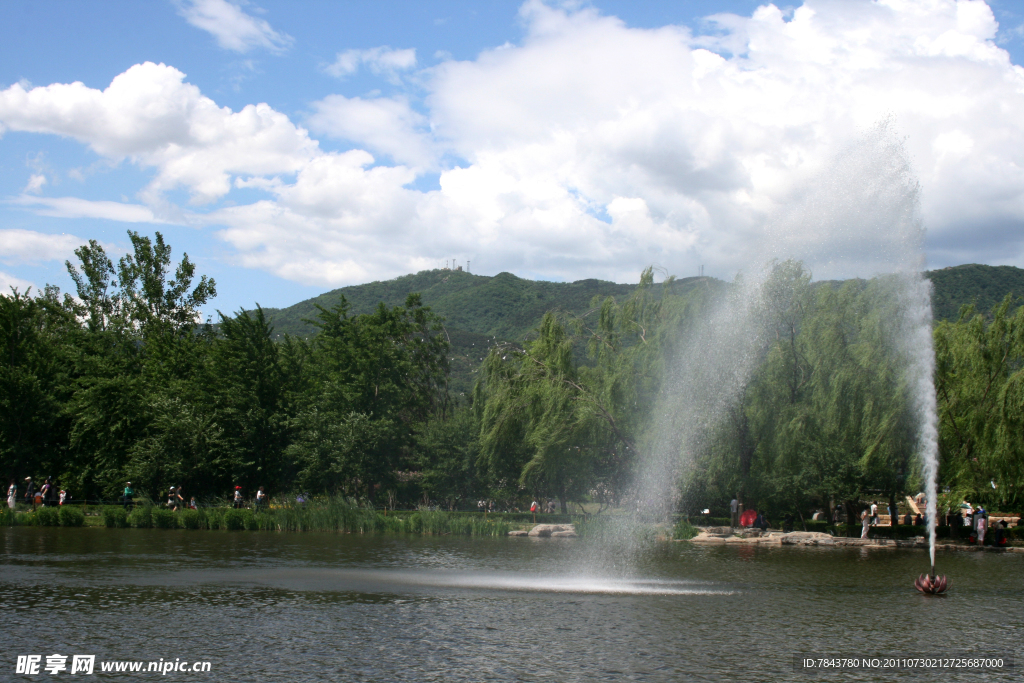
x=856, y=217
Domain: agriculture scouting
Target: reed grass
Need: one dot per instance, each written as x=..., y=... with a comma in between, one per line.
x=319, y=514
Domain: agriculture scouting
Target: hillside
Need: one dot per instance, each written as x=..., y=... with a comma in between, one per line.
x=478, y=309
x=502, y=306
x=481, y=309
x=983, y=286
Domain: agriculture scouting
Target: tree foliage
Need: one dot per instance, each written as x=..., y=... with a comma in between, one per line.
x=124, y=381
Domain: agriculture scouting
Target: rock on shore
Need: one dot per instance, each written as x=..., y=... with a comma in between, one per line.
x=548, y=531
x=726, y=535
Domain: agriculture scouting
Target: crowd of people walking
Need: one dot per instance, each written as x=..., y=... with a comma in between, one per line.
x=50, y=495
x=47, y=495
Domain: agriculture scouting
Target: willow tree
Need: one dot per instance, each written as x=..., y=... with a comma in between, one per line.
x=980, y=385
x=558, y=421
x=534, y=429
x=826, y=416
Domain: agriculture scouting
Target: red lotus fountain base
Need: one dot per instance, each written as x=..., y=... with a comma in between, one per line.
x=931, y=584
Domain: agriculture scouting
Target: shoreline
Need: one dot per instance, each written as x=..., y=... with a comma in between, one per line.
x=807, y=539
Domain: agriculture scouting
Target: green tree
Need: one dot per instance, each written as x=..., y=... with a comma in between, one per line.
x=37, y=335
x=979, y=379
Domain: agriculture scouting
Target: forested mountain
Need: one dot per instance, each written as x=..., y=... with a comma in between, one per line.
x=972, y=283
x=507, y=307
x=502, y=306
x=480, y=310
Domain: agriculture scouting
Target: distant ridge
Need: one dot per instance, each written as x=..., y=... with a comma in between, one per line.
x=502, y=306
x=481, y=309
x=973, y=283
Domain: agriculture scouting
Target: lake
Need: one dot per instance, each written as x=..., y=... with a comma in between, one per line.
x=263, y=606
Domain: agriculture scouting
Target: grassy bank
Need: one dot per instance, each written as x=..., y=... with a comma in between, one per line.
x=317, y=515
x=336, y=514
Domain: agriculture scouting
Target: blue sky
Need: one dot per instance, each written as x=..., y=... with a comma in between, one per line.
x=291, y=148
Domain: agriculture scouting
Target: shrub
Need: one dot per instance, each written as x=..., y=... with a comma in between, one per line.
x=684, y=530
x=141, y=517
x=8, y=517
x=191, y=519
x=115, y=518
x=70, y=516
x=164, y=519
x=234, y=520
x=47, y=516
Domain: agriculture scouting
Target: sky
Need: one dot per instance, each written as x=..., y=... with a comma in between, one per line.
x=292, y=148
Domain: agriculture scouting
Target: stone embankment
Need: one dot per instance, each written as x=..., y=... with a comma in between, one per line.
x=728, y=536
x=548, y=531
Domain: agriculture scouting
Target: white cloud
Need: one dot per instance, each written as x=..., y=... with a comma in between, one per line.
x=73, y=207
x=35, y=183
x=383, y=124
x=8, y=282
x=593, y=149
x=27, y=246
x=150, y=115
x=379, y=60
x=232, y=27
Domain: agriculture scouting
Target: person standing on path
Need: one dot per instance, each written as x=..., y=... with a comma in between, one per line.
x=129, y=494
x=734, y=512
x=238, y=503
x=12, y=494
x=874, y=513
x=982, y=527
x=261, y=499
x=865, y=522
x=30, y=493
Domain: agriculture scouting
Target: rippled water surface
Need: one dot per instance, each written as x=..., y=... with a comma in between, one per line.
x=317, y=607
